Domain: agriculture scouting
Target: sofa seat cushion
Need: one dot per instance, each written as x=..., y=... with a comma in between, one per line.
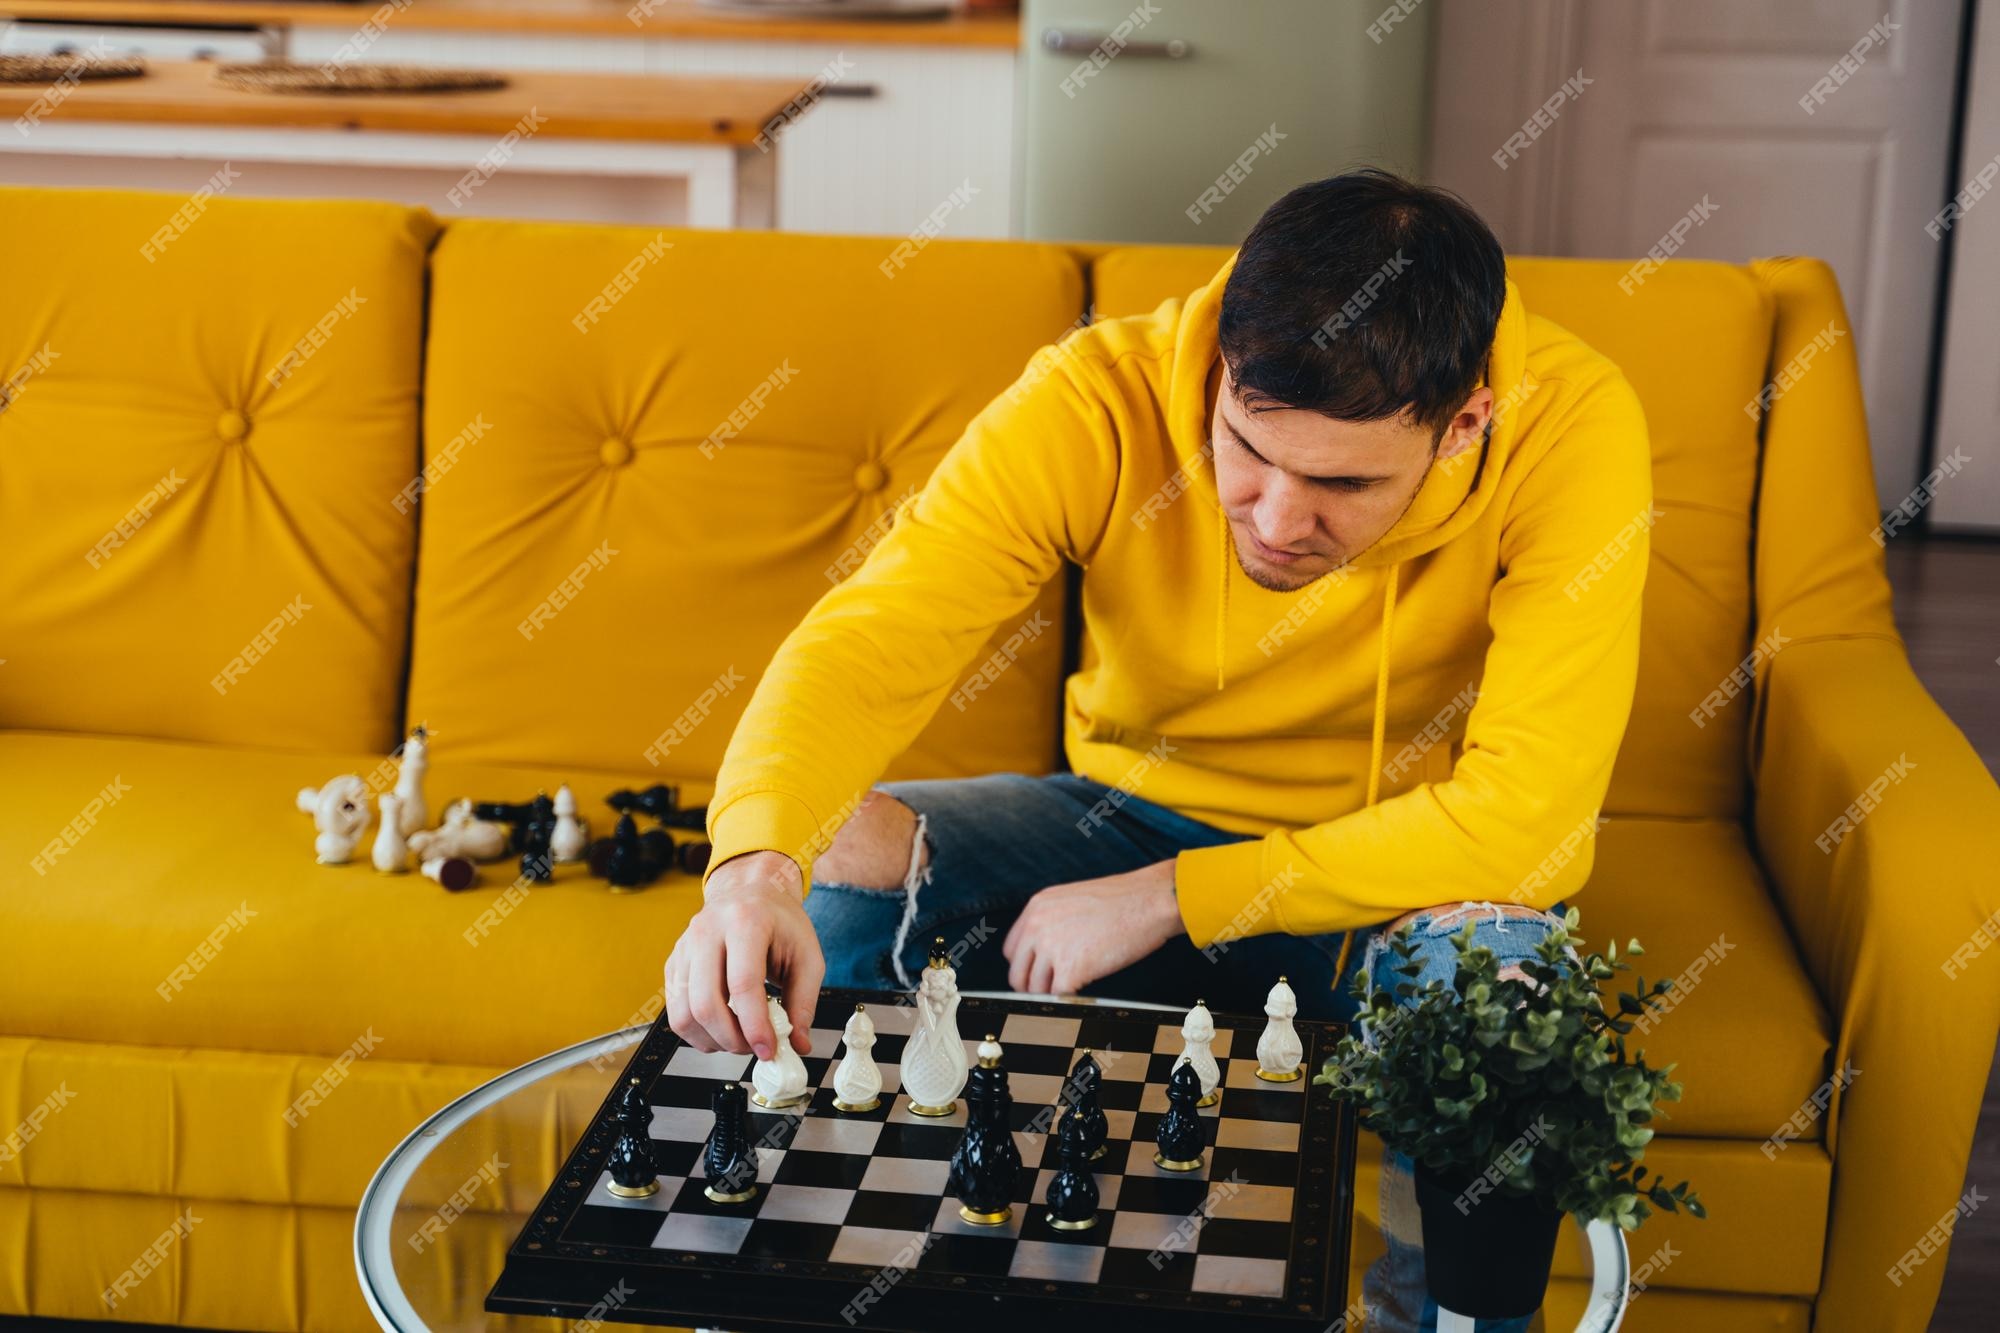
x=212, y=419
x=190, y=912
x=1744, y=1023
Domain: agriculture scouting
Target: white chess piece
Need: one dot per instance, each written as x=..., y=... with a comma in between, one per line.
x=570, y=838
x=934, y=1066
x=857, y=1083
x=1279, y=1049
x=781, y=1080
x=339, y=809
x=461, y=835
x=411, y=811
x=392, y=854
x=1198, y=1036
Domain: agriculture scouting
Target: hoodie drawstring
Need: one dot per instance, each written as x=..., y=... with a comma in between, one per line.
x=1375, y=743
x=1227, y=565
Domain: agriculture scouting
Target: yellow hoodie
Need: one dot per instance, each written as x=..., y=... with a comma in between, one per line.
x=1436, y=721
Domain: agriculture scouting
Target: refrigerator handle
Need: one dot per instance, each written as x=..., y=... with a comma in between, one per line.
x=1064, y=43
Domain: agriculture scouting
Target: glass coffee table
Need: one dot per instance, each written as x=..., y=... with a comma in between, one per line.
x=436, y=1221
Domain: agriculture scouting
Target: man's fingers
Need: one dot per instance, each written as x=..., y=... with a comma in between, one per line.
x=710, y=1002
x=679, y=1017
x=802, y=982
x=748, y=955
x=1042, y=978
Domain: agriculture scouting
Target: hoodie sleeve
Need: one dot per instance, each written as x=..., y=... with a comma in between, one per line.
x=1516, y=821
x=1026, y=487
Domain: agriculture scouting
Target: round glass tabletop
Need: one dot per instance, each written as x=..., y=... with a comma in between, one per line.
x=435, y=1223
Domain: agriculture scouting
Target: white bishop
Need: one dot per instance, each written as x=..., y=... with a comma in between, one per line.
x=857, y=1083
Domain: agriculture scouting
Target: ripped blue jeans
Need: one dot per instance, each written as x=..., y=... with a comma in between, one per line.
x=996, y=841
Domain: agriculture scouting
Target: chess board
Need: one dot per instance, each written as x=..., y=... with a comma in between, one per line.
x=854, y=1226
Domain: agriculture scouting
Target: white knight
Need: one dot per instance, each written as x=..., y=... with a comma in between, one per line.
x=781, y=1080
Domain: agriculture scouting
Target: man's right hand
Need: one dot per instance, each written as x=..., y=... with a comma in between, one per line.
x=753, y=924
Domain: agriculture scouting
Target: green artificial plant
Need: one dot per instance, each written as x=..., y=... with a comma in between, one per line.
x=1524, y=1081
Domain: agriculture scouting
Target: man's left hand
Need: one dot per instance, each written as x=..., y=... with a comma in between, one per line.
x=1069, y=935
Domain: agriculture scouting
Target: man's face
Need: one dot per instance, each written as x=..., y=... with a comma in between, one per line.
x=1305, y=493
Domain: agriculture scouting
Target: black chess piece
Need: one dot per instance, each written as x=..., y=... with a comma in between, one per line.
x=1181, y=1136
x=656, y=852
x=658, y=800
x=539, y=827
x=1072, y=1195
x=515, y=817
x=633, y=1175
x=692, y=857
x=1080, y=1092
x=731, y=1160
x=626, y=865
x=987, y=1163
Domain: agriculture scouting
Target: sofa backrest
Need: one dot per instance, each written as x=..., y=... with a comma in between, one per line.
x=210, y=407
x=1694, y=339
x=648, y=452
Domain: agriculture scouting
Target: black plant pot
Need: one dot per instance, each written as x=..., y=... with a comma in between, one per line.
x=1491, y=1259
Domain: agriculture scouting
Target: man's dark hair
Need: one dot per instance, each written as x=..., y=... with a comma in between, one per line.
x=1363, y=296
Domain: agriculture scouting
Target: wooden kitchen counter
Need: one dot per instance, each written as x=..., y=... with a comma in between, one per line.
x=649, y=107
x=668, y=18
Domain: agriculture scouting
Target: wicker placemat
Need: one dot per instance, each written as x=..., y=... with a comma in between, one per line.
x=56, y=69
x=277, y=76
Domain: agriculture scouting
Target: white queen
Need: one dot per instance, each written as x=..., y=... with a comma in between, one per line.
x=934, y=1065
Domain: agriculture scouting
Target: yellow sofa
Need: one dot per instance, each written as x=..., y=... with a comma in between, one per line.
x=644, y=455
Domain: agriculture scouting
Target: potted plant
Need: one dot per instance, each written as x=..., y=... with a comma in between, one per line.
x=1517, y=1101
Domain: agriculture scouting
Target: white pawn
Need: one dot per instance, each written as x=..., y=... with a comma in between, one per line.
x=570, y=838
x=340, y=812
x=1198, y=1036
x=857, y=1083
x=392, y=854
x=780, y=1081
x=1279, y=1049
x=412, y=813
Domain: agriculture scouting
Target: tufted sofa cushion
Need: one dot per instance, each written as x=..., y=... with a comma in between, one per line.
x=645, y=464
x=212, y=406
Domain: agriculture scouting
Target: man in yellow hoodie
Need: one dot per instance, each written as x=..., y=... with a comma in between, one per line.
x=1363, y=543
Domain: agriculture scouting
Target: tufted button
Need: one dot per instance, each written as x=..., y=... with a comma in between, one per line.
x=615, y=452
x=232, y=426
x=869, y=477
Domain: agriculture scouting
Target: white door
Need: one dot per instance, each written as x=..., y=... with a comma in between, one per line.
x=1968, y=419
x=1813, y=127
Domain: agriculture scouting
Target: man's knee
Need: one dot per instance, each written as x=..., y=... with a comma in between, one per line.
x=872, y=849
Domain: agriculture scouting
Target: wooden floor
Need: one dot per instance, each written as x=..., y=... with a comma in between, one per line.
x=1948, y=608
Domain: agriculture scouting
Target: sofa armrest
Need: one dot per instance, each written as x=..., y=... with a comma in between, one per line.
x=1880, y=829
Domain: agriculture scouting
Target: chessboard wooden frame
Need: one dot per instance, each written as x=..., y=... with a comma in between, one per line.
x=547, y=1276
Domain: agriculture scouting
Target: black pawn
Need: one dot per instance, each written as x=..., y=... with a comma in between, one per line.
x=1072, y=1196
x=633, y=1175
x=1080, y=1092
x=988, y=1162
x=540, y=826
x=731, y=1162
x=1181, y=1136
x=626, y=866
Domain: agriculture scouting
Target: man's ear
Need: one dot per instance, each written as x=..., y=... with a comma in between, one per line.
x=1469, y=426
